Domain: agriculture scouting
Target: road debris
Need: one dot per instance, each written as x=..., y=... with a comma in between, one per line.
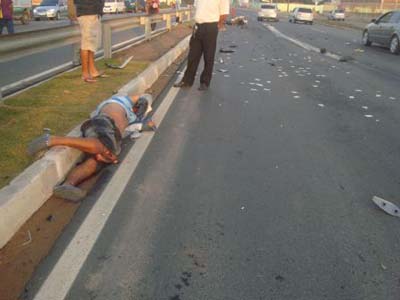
x=321, y=105
x=253, y=90
x=365, y=107
x=378, y=95
x=383, y=267
x=122, y=66
x=352, y=97
x=322, y=50
x=222, y=50
x=29, y=239
x=359, y=50
x=368, y=116
x=386, y=206
x=222, y=70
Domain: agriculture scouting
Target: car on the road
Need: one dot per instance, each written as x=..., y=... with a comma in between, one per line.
x=302, y=14
x=114, y=6
x=50, y=10
x=384, y=31
x=337, y=15
x=130, y=6
x=268, y=12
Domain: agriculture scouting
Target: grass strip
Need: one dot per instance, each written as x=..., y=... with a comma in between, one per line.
x=59, y=104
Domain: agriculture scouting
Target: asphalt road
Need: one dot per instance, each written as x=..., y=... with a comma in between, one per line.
x=261, y=187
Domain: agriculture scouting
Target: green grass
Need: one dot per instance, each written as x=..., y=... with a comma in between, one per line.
x=60, y=104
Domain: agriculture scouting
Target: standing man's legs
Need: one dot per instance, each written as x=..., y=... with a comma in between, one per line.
x=195, y=52
x=209, y=42
x=2, y=23
x=10, y=26
x=91, y=32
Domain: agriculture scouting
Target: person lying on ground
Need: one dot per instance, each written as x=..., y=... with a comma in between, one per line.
x=101, y=139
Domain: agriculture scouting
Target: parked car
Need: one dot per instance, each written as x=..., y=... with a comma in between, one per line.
x=384, y=31
x=302, y=14
x=268, y=12
x=337, y=15
x=114, y=6
x=51, y=10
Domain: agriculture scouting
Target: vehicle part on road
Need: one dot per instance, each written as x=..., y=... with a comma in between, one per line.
x=387, y=206
x=346, y=58
x=125, y=63
x=222, y=50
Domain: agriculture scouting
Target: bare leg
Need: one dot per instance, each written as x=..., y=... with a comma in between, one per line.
x=85, y=63
x=88, y=145
x=82, y=171
x=91, y=66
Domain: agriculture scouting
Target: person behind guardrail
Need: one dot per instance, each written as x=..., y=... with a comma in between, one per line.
x=6, y=16
x=153, y=7
x=88, y=14
x=210, y=18
x=113, y=119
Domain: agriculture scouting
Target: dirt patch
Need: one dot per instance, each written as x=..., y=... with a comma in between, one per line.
x=20, y=257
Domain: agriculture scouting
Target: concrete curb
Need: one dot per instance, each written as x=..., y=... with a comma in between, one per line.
x=30, y=190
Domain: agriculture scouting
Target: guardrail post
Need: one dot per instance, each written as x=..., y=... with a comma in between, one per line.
x=147, y=28
x=168, y=19
x=76, y=55
x=107, y=43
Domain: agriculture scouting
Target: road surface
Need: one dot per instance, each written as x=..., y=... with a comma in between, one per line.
x=259, y=188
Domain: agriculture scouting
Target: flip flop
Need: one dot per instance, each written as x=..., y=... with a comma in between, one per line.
x=69, y=192
x=39, y=144
x=89, y=80
x=101, y=75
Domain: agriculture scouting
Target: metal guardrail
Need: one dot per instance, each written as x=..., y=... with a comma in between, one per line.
x=27, y=43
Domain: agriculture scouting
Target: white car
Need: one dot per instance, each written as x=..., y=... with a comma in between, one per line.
x=302, y=14
x=268, y=12
x=337, y=14
x=114, y=7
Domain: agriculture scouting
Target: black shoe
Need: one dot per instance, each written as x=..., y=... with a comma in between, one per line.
x=203, y=87
x=182, y=84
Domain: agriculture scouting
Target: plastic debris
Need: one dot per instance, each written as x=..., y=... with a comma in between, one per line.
x=365, y=107
x=294, y=92
x=358, y=91
x=359, y=50
x=383, y=267
x=222, y=70
x=265, y=89
x=392, y=98
x=253, y=90
x=29, y=239
x=242, y=208
x=368, y=116
x=227, y=76
x=321, y=105
x=257, y=79
x=296, y=96
x=378, y=95
x=315, y=86
x=120, y=66
x=386, y=206
x=352, y=97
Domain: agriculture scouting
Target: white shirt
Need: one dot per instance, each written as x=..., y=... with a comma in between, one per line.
x=208, y=11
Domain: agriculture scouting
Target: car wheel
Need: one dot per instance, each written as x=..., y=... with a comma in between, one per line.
x=57, y=16
x=395, y=45
x=310, y=23
x=365, y=39
x=290, y=20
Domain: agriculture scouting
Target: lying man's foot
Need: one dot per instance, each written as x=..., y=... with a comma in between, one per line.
x=182, y=84
x=203, y=87
x=69, y=192
x=39, y=144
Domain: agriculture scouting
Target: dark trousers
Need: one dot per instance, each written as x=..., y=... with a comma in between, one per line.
x=203, y=42
x=8, y=24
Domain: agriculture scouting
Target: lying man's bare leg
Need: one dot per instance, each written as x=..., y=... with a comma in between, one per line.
x=69, y=190
x=88, y=145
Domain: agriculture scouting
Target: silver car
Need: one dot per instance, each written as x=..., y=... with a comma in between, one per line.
x=384, y=31
x=51, y=10
x=337, y=14
x=268, y=12
x=301, y=14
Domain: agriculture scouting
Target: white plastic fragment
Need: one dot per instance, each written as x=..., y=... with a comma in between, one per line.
x=351, y=97
x=321, y=105
x=296, y=97
x=365, y=107
x=368, y=116
x=386, y=206
x=392, y=98
x=257, y=79
x=315, y=86
x=265, y=89
x=378, y=95
x=358, y=91
x=253, y=90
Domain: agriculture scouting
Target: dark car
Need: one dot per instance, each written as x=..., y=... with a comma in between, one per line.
x=130, y=6
x=384, y=31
